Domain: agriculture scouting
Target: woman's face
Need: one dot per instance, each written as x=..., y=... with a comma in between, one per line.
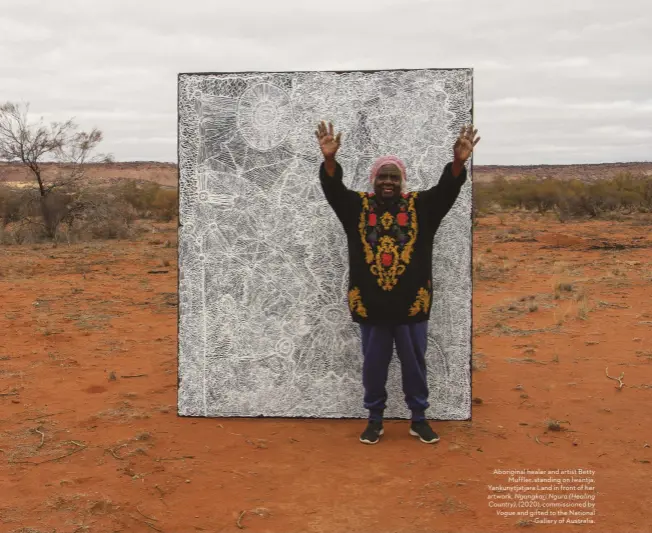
x=387, y=183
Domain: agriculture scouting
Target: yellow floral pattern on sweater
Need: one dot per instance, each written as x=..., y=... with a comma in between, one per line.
x=422, y=303
x=355, y=302
x=388, y=246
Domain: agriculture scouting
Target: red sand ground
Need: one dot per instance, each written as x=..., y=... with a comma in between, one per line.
x=80, y=452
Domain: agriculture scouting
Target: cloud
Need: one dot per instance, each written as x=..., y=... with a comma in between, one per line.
x=548, y=75
x=515, y=102
x=620, y=132
x=489, y=64
x=148, y=140
x=567, y=62
x=554, y=104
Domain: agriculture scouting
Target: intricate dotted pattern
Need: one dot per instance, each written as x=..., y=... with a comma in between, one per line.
x=264, y=327
x=264, y=116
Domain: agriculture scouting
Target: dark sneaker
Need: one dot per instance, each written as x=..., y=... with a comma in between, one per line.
x=371, y=435
x=424, y=432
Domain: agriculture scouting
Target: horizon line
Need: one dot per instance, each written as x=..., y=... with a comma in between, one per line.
x=150, y=161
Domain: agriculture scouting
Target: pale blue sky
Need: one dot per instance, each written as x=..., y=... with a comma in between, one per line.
x=555, y=81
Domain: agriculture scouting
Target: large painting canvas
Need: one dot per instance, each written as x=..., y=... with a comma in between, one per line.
x=264, y=326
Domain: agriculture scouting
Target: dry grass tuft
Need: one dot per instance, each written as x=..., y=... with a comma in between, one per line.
x=104, y=506
x=560, y=287
x=524, y=360
x=61, y=503
x=583, y=307
x=485, y=270
x=555, y=425
x=477, y=361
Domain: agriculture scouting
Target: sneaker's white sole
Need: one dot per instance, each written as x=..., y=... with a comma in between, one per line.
x=415, y=434
x=380, y=434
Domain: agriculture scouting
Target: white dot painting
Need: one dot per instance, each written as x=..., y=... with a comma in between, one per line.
x=264, y=323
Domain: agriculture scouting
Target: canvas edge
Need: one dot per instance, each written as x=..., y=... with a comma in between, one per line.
x=180, y=75
x=470, y=406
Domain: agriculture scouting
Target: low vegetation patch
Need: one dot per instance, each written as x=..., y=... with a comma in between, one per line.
x=624, y=193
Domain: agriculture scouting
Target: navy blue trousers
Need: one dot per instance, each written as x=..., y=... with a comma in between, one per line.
x=377, y=348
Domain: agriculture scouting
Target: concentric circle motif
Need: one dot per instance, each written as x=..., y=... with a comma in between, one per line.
x=333, y=314
x=285, y=347
x=264, y=116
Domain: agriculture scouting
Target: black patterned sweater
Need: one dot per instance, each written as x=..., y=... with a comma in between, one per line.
x=390, y=246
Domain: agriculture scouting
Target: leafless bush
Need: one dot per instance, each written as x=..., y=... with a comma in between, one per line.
x=96, y=215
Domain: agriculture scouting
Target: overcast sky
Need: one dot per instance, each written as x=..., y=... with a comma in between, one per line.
x=554, y=81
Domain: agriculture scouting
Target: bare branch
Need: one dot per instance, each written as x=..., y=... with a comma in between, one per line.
x=33, y=143
x=619, y=379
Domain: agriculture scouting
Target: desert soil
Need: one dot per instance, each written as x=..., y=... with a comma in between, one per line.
x=90, y=440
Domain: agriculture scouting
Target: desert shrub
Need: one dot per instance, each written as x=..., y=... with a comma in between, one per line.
x=74, y=214
x=23, y=233
x=486, y=198
x=481, y=201
x=535, y=196
x=94, y=214
x=139, y=195
x=623, y=193
x=149, y=199
x=56, y=209
x=165, y=204
x=32, y=215
x=11, y=200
